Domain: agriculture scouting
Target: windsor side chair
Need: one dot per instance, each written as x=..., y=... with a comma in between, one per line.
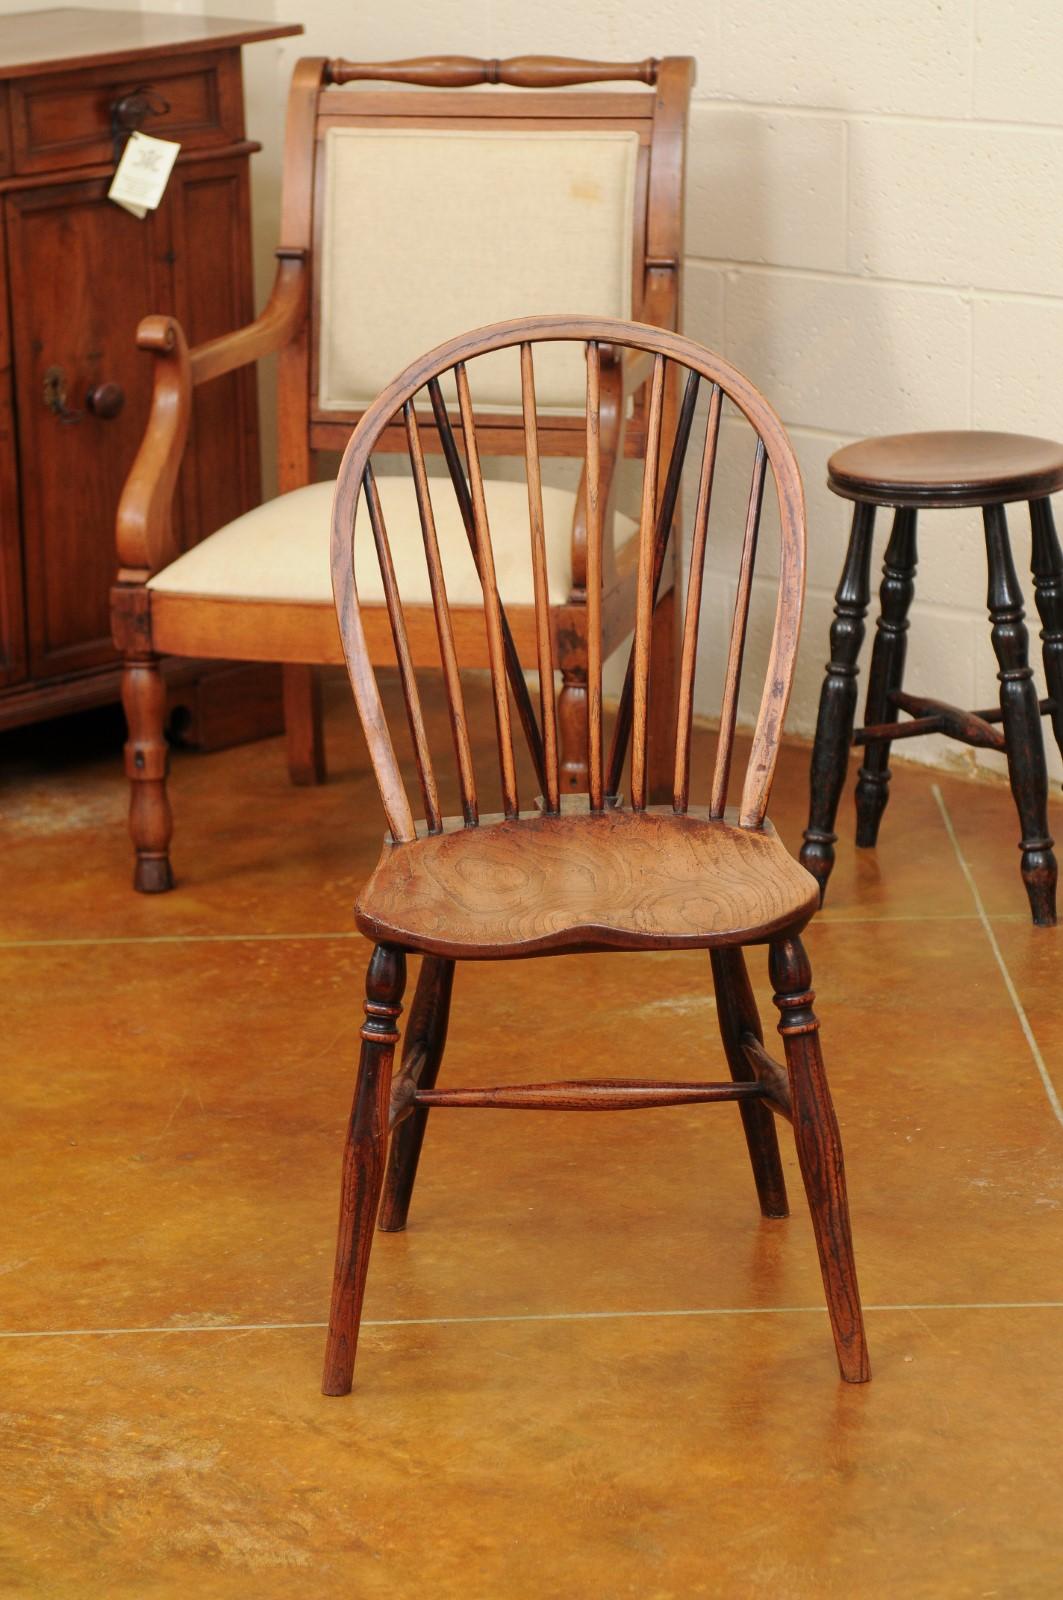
x=567, y=874
x=461, y=191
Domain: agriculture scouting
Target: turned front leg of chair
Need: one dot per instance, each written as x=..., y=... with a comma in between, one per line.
x=147, y=758
x=422, y=1053
x=364, y=1159
x=819, y=1153
x=303, y=730
x=837, y=701
x=886, y=674
x=736, y=1012
x=1021, y=717
x=1047, y=563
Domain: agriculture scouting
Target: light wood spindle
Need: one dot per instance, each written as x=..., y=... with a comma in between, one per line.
x=407, y=677
x=729, y=710
x=444, y=626
x=544, y=633
x=691, y=620
x=492, y=609
x=594, y=577
x=644, y=594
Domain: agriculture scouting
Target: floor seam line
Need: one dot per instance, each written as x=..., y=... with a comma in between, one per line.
x=1020, y=1011
x=532, y=1316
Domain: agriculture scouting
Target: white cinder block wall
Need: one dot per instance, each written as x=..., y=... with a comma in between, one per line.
x=874, y=234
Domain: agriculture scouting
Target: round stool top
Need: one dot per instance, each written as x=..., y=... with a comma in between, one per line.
x=947, y=469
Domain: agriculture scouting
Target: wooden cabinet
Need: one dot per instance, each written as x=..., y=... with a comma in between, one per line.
x=77, y=273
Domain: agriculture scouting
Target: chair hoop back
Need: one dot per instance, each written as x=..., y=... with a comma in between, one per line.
x=667, y=448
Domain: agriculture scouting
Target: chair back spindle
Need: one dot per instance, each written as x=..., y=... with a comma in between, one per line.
x=535, y=625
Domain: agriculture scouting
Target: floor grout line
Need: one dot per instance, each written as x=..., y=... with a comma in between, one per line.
x=532, y=1316
x=1024, y=1021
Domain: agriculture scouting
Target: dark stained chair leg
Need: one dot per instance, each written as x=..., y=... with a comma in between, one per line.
x=663, y=694
x=736, y=1010
x=302, y=724
x=1047, y=566
x=363, y=1163
x=837, y=700
x=886, y=674
x=422, y=1052
x=819, y=1153
x=1021, y=718
x=147, y=758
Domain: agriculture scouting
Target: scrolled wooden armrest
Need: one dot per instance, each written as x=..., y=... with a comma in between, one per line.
x=144, y=528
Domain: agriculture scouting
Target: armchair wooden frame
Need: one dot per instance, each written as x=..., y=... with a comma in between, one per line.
x=591, y=872
x=530, y=92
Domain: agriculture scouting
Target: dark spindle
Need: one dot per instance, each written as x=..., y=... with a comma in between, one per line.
x=514, y=670
x=402, y=651
x=669, y=499
x=444, y=626
x=644, y=593
x=729, y=710
x=688, y=665
x=492, y=609
x=544, y=635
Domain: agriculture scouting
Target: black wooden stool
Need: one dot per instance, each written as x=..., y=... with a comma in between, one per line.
x=911, y=471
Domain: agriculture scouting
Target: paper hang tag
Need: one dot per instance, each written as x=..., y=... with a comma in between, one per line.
x=141, y=176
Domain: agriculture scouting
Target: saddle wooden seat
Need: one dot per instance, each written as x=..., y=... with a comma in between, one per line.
x=646, y=880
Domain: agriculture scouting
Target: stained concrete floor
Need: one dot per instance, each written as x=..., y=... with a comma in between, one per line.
x=588, y=1368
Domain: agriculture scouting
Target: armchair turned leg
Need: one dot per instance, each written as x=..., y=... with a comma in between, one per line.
x=819, y=1154
x=837, y=701
x=736, y=1012
x=422, y=1053
x=364, y=1157
x=302, y=724
x=147, y=758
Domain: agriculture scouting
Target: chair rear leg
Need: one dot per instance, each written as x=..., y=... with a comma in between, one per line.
x=736, y=1010
x=147, y=759
x=422, y=1052
x=364, y=1157
x=302, y=724
x=819, y=1153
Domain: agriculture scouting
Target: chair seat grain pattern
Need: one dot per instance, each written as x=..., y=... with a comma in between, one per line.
x=608, y=870
x=633, y=881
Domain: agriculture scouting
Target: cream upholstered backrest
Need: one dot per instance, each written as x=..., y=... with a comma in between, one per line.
x=425, y=231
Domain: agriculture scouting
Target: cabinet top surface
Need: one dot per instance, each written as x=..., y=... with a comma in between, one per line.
x=51, y=41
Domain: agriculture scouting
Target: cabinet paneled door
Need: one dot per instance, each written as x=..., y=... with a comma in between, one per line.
x=76, y=276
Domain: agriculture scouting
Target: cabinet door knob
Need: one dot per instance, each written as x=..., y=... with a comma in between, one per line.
x=105, y=400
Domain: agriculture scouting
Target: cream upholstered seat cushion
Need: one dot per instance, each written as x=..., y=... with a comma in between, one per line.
x=280, y=551
x=428, y=231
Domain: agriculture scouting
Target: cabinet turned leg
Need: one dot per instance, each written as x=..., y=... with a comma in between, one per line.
x=886, y=673
x=363, y=1163
x=147, y=757
x=1047, y=566
x=736, y=1012
x=302, y=724
x=1021, y=717
x=837, y=701
x=422, y=1053
x=819, y=1154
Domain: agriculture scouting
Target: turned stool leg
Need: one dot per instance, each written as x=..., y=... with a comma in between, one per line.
x=819, y=1153
x=422, y=1053
x=837, y=700
x=887, y=672
x=147, y=758
x=363, y=1163
x=1047, y=566
x=1021, y=718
